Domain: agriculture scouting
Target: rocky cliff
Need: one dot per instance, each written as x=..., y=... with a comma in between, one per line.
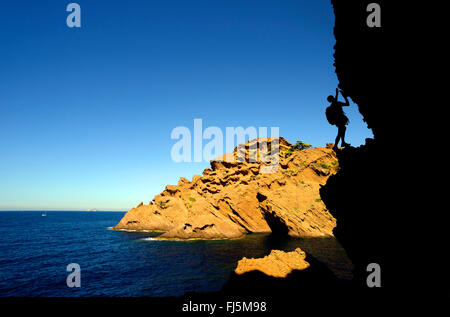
x=381, y=206
x=235, y=197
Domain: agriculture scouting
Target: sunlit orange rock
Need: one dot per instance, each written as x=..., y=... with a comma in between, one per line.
x=235, y=197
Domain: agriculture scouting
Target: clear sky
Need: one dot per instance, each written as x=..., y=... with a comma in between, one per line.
x=86, y=114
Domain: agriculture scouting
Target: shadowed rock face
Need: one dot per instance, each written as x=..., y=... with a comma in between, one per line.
x=376, y=197
x=361, y=195
x=234, y=197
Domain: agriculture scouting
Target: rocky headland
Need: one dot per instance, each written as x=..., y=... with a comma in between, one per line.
x=237, y=196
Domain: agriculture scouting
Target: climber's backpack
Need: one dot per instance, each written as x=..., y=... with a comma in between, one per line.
x=331, y=114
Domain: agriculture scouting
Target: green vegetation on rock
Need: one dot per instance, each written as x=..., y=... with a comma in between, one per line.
x=298, y=146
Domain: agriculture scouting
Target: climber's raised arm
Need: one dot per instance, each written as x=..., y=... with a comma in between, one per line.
x=347, y=103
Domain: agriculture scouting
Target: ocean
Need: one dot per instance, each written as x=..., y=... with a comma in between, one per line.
x=35, y=252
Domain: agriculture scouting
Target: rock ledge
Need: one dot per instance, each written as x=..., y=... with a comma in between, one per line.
x=276, y=264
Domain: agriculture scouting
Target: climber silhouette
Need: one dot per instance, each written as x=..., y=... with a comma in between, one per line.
x=336, y=116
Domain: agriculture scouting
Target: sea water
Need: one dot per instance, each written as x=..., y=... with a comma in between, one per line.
x=35, y=252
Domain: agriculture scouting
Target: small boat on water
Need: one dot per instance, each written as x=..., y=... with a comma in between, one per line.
x=44, y=214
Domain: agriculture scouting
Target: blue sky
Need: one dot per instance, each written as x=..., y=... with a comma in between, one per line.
x=86, y=114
